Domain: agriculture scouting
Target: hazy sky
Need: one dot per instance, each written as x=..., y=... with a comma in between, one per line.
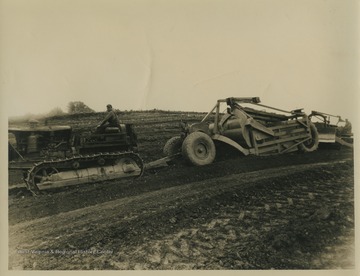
x=178, y=54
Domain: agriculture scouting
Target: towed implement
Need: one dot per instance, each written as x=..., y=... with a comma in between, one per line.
x=339, y=133
x=55, y=156
x=248, y=130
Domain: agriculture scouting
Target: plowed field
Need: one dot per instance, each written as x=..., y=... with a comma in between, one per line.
x=294, y=211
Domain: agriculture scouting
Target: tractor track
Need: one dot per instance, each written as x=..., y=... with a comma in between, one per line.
x=242, y=218
x=51, y=202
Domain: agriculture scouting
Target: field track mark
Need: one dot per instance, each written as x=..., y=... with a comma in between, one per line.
x=54, y=227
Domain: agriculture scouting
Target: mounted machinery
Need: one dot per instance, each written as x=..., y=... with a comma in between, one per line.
x=248, y=130
x=338, y=133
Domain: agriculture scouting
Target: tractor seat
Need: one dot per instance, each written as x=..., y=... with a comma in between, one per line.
x=112, y=130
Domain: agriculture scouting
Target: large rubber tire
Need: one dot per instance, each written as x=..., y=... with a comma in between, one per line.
x=172, y=146
x=198, y=149
x=313, y=143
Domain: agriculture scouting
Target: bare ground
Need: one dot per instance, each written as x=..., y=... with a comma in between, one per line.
x=288, y=217
x=294, y=211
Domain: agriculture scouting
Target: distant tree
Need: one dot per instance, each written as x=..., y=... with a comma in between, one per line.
x=57, y=111
x=78, y=107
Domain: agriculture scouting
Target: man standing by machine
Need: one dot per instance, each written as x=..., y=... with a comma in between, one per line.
x=111, y=120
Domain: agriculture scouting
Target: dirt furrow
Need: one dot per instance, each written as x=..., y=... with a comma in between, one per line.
x=127, y=216
x=179, y=174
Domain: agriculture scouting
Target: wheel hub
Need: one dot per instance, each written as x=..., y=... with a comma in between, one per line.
x=201, y=151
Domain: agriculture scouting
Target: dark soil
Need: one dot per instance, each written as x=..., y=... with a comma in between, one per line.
x=293, y=211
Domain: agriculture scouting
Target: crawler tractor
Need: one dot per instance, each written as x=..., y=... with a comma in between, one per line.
x=248, y=130
x=56, y=156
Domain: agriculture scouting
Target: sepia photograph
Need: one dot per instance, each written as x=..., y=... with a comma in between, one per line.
x=196, y=136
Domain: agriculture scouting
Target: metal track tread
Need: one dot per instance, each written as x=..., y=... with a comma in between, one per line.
x=45, y=168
